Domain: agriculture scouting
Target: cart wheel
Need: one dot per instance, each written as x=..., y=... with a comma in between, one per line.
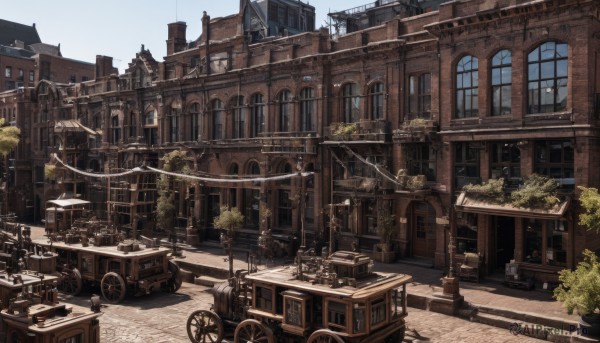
x=251, y=330
x=174, y=283
x=71, y=282
x=397, y=336
x=113, y=287
x=204, y=327
x=324, y=336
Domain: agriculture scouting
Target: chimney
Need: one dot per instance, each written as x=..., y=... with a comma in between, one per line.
x=104, y=66
x=176, y=41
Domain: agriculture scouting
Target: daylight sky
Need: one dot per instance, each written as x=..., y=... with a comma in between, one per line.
x=118, y=28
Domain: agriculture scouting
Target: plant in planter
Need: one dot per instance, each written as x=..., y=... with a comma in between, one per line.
x=228, y=220
x=491, y=191
x=386, y=229
x=344, y=131
x=580, y=290
x=538, y=191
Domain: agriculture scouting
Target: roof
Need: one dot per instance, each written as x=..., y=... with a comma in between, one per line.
x=68, y=202
x=48, y=49
x=105, y=250
x=10, y=31
x=465, y=203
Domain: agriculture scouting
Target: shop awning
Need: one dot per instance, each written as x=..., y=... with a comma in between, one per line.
x=68, y=202
x=468, y=204
x=73, y=125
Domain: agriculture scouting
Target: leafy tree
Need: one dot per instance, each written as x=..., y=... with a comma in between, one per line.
x=228, y=220
x=9, y=139
x=165, y=205
x=580, y=288
x=590, y=201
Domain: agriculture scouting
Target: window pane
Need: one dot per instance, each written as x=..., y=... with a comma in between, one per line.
x=547, y=70
x=548, y=50
x=496, y=77
x=506, y=75
x=561, y=68
x=562, y=50
x=533, y=72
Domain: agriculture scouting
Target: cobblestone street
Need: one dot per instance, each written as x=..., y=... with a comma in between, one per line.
x=161, y=317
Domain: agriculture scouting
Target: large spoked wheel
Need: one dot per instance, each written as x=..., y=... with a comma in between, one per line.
x=71, y=282
x=251, y=330
x=113, y=287
x=324, y=336
x=204, y=327
x=174, y=283
x=397, y=336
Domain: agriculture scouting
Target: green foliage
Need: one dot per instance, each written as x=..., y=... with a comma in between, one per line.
x=175, y=161
x=9, y=137
x=538, y=191
x=580, y=288
x=416, y=182
x=343, y=131
x=50, y=171
x=165, y=208
x=417, y=123
x=228, y=219
x=386, y=226
x=590, y=201
x=491, y=191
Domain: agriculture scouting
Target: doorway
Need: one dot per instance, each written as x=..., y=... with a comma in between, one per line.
x=423, y=230
x=505, y=240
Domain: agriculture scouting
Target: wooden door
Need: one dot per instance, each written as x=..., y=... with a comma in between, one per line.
x=423, y=230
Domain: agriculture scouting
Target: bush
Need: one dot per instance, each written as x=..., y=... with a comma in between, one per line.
x=491, y=191
x=590, y=201
x=538, y=191
x=580, y=288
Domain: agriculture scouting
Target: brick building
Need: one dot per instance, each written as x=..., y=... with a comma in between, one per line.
x=393, y=117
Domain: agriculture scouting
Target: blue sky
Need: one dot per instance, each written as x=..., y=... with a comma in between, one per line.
x=115, y=28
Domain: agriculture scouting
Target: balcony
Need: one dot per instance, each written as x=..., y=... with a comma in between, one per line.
x=416, y=131
x=296, y=143
x=413, y=185
x=364, y=131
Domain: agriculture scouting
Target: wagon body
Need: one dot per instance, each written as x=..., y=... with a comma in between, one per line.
x=128, y=267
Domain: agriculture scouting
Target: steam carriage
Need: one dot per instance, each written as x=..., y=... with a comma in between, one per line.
x=335, y=299
x=119, y=267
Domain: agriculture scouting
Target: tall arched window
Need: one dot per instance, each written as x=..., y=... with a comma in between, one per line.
x=257, y=109
x=351, y=103
x=501, y=83
x=547, y=76
x=195, y=129
x=217, y=119
x=285, y=111
x=419, y=99
x=132, y=124
x=174, y=119
x=376, y=101
x=467, y=81
x=239, y=120
x=150, y=128
x=284, y=202
x=307, y=109
x=116, y=130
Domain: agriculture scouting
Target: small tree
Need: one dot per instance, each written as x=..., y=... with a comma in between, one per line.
x=538, y=191
x=580, y=288
x=9, y=139
x=590, y=201
x=228, y=220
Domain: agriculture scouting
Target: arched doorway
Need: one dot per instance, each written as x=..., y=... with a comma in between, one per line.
x=422, y=228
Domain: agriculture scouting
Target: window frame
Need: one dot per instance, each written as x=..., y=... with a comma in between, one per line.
x=217, y=111
x=351, y=103
x=257, y=115
x=500, y=64
x=467, y=82
x=307, y=109
x=376, y=101
x=284, y=110
x=537, y=64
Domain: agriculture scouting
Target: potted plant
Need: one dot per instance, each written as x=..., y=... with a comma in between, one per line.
x=580, y=290
x=228, y=220
x=386, y=229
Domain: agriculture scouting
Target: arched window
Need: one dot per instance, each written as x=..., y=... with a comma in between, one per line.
x=547, y=76
x=284, y=201
x=237, y=109
x=195, y=129
x=307, y=109
x=501, y=83
x=351, y=103
x=174, y=119
x=132, y=124
x=217, y=119
x=150, y=128
x=285, y=111
x=467, y=81
x=252, y=198
x=376, y=101
x=257, y=114
x=115, y=129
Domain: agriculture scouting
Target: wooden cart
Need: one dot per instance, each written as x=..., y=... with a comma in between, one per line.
x=337, y=299
x=128, y=266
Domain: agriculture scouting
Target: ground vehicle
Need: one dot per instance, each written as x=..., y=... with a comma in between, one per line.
x=335, y=299
x=118, y=266
x=30, y=308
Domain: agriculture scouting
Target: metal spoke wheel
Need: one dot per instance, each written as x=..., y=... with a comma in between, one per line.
x=113, y=287
x=71, y=282
x=324, y=336
x=204, y=327
x=174, y=283
x=251, y=330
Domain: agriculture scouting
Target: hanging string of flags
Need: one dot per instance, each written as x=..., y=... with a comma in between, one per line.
x=185, y=176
